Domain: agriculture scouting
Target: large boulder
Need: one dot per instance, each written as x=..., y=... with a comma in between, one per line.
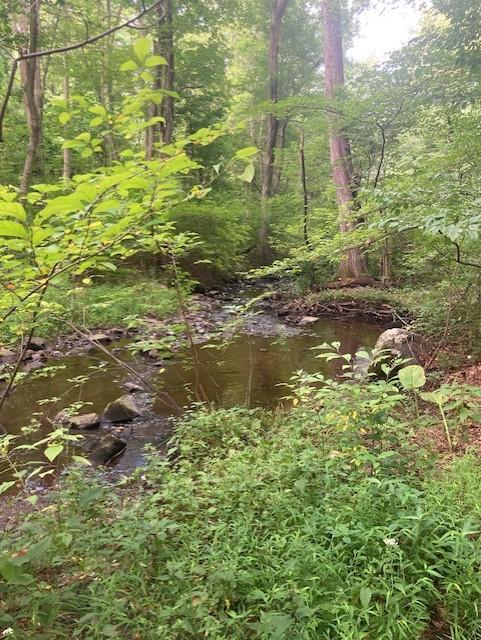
x=82, y=422
x=392, y=345
x=124, y=409
x=104, y=448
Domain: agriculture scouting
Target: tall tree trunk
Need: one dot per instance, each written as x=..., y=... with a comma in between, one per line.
x=305, y=194
x=280, y=144
x=168, y=73
x=67, y=157
x=352, y=264
x=29, y=28
x=272, y=126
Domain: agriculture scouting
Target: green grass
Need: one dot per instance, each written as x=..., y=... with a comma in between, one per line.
x=108, y=304
x=304, y=525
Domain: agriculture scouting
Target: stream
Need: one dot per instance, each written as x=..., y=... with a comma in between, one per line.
x=251, y=369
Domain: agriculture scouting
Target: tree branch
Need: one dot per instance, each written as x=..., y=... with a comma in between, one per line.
x=70, y=47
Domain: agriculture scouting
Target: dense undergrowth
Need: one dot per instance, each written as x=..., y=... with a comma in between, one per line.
x=321, y=522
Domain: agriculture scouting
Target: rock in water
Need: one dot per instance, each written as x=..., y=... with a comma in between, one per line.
x=37, y=344
x=124, y=409
x=104, y=448
x=85, y=421
x=392, y=344
x=307, y=320
x=102, y=338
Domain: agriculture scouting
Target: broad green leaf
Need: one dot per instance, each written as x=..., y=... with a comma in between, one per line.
x=412, y=377
x=5, y=486
x=142, y=48
x=247, y=152
x=12, y=573
x=98, y=109
x=13, y=209
x=53, y=451
x=155, y=61
x=248, y=174
x=13, y=230
x=64, y=117
x=130, y=65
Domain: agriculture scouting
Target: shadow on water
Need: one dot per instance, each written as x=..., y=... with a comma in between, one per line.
x=251, y=369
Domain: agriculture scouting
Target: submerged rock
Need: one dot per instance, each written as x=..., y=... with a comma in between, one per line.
x=133, y=387
x=104, y=448
x=124, y=409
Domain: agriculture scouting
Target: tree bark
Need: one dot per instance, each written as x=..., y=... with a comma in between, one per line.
x=305, y=194
x=352, y=264
x=168, y=73
x=29, y=28
x=272, y=126
x=67, y=157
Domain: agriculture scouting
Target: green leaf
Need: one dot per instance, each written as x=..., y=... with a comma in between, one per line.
x=12, y=230
x=147, y=76
x=248, y=174
x=5, y=486
x=412, y=377
x=13, y=209
x=12, y=573
x=247, y=152
x=130, y=65
x=365, y=596
x=53, y=451
x=155, y=61
x=64, y=117
x=142, y=48
x=98, y=109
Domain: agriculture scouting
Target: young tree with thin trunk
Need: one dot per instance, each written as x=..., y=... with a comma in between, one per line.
x=353, y=264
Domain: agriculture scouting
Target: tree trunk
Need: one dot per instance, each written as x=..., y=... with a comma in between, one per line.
x=305, y=195
x=280, y=144
x=67, y=157
x=272, y=126
x=29, y=28
x=352, y=264
x=168, y=73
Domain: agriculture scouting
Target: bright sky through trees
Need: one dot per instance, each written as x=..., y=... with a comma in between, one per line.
x=383, y=30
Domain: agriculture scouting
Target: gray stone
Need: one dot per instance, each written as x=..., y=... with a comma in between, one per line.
x=132, y=387
x=124, y=409
x=37, y=344
x=85, y=421
x=393, y=344
x=104, y=448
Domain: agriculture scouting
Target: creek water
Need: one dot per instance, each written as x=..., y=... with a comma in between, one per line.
x=252, y=368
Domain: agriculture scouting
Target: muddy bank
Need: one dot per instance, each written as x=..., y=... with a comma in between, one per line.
x=368, y=303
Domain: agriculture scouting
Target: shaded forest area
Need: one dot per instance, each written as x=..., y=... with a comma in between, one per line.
x=205, y=188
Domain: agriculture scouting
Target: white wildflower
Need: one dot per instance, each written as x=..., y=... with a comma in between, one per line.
x=390, y=542
x=7, y=632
